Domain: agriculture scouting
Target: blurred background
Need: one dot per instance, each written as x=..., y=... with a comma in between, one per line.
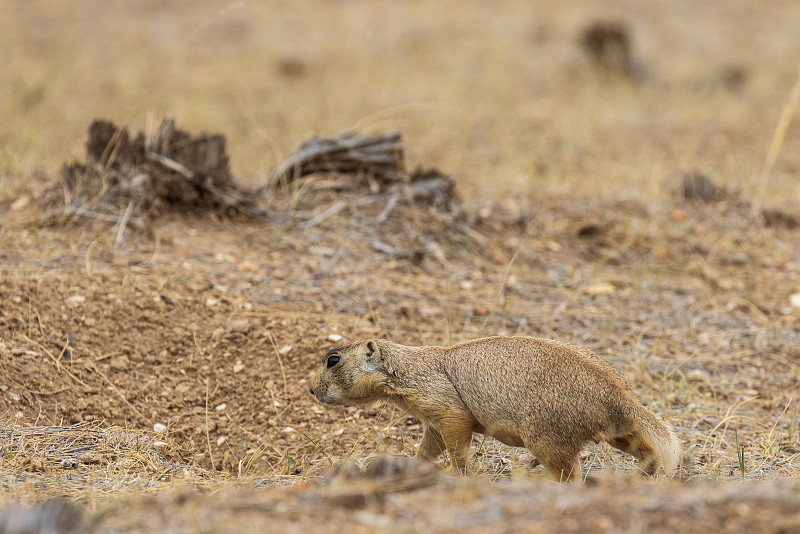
x=509, y=97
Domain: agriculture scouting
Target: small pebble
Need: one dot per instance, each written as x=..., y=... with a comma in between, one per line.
x=69, y=463
x=238, y=325
x=697, y=375
x=599, y=288
x=75, y=300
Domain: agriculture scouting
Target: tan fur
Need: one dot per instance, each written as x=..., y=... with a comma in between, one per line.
x=549, y=397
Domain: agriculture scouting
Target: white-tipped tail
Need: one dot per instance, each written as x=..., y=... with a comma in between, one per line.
x=668, y=449
x=662, y=437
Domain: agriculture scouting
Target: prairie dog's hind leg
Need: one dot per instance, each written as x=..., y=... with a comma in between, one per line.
x=432, y=444
x=561, y=463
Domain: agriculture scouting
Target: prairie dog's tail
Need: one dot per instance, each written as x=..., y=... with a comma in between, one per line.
x=658, y=443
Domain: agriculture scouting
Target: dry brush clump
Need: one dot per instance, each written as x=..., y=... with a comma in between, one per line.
x=373, y=157
x=130, y=180
x=608, y=45
x=135, y=178
x=368, y=164
x=360, y=184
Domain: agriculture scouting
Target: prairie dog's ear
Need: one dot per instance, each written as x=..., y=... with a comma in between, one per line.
x=372, y=360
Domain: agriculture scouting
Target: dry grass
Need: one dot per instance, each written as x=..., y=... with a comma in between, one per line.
x=506, y=103
x=90, y=463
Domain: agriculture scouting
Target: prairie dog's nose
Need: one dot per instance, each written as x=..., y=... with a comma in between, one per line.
x=311, y=390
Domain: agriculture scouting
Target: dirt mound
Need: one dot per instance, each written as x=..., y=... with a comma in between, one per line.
x=53, y=516
x=436, y=503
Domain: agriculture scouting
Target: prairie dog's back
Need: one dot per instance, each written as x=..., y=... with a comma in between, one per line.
x=519, y=360
x=514, y=377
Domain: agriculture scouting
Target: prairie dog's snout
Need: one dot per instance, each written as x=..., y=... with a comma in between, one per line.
x=348, y=375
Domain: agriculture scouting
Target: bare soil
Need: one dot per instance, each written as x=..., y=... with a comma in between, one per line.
x=201, y=341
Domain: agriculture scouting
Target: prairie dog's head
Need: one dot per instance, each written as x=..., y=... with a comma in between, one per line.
x=351, y=374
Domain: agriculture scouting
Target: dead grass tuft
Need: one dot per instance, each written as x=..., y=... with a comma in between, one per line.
x=88, y=461
x=699, y=188
x=609, y=47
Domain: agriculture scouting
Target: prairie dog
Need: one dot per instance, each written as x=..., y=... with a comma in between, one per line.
x=547, y=396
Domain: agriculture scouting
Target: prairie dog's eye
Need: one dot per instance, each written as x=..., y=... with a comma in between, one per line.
x=332, y=360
